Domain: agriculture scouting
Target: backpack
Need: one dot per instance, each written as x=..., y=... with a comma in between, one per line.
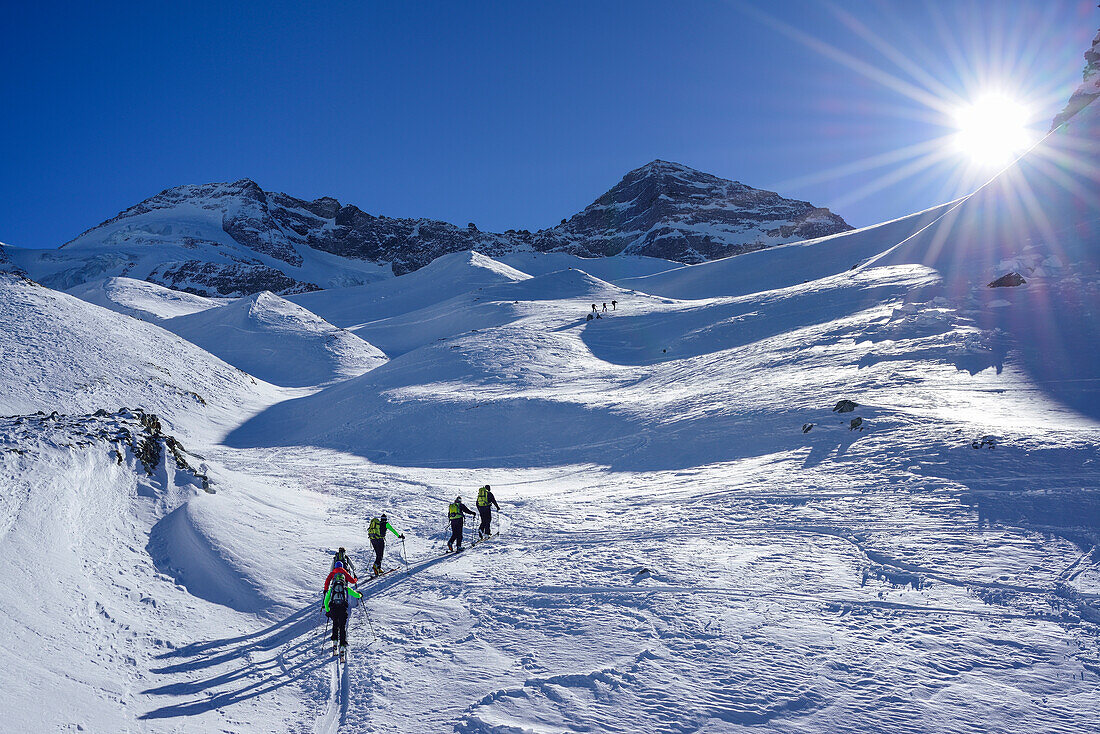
x=374, y=531
x=453, y=512
x=338, y=592
x=483, y=497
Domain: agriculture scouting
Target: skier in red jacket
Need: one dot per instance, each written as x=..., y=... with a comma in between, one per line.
x=339, y=569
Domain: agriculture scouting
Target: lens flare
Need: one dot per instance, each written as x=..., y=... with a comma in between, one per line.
x=992, y=130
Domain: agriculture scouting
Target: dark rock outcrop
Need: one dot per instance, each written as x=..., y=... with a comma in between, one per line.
x=220, y=280
x=123, y=432
x=1010, y=280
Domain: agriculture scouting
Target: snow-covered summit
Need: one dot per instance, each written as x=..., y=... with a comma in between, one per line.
x=232, y=239
x=671, y=211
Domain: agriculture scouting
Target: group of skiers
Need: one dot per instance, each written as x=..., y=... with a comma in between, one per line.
x=342, y=583
x=596, y=314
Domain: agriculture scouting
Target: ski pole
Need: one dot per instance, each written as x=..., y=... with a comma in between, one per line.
x=404, y=555
x=370, y=624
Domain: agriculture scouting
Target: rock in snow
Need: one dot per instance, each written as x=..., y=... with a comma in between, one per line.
x=1009, y=280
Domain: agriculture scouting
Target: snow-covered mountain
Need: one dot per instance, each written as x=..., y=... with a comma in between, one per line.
x=842, y=484
x=673, y=212
x=62, y=354
x=231, y=239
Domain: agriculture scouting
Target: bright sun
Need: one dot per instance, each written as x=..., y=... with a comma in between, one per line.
x=992, y=130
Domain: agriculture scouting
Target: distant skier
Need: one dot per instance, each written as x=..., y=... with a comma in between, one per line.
x=590, y=317
x=594, y=310
x=337, y=593
x=485, y=504
x=614, y=304
x=605, y=308
x=456, y=513
x=341, y=556
x=376, y=531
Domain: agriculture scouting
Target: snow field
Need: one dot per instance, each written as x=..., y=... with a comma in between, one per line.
x=691, y=540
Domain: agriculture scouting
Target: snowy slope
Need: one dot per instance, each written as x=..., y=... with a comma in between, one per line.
x=277, y=341
x=692, y=538
x=141, y=299
x=443, y=278
x=1040, y=221
x=785, y=265
x=63, y=354
x=692, y=535
x=604, y=268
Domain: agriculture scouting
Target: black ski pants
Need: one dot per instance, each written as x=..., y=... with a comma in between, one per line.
x=456, y=532
x=486, y=519
x=379, y=545
x=339, y=616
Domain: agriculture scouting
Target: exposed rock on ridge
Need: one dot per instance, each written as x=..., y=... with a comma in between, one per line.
x=230, y=239
x=1089, y=88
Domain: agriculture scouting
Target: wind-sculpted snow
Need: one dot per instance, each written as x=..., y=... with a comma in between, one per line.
x=63, y=354
x=278, y=341
x=604, y=268
x=142, y=299
x=785, y=265
x=83, y=599
x=545, y=387
x=444, y=278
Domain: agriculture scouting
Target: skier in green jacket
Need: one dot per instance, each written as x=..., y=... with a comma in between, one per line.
x=337, y=596
x=377, y=534
x=485, y=504
x=456, y=513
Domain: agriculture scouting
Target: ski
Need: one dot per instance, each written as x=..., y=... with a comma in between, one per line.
x=484, y=537
x=379, y=575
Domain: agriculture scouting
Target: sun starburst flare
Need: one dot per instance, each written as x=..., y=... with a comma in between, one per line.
x=992, y=130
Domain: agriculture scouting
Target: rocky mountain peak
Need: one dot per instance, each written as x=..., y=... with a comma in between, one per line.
x=230, y=239
x=666, y=209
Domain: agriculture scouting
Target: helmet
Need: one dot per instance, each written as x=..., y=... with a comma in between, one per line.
x=458, y=499
x=338, y=565
x=383, y=516
x=341, y=551
x=486, y=486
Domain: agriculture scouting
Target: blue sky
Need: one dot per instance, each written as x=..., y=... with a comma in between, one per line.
x=507, y=114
